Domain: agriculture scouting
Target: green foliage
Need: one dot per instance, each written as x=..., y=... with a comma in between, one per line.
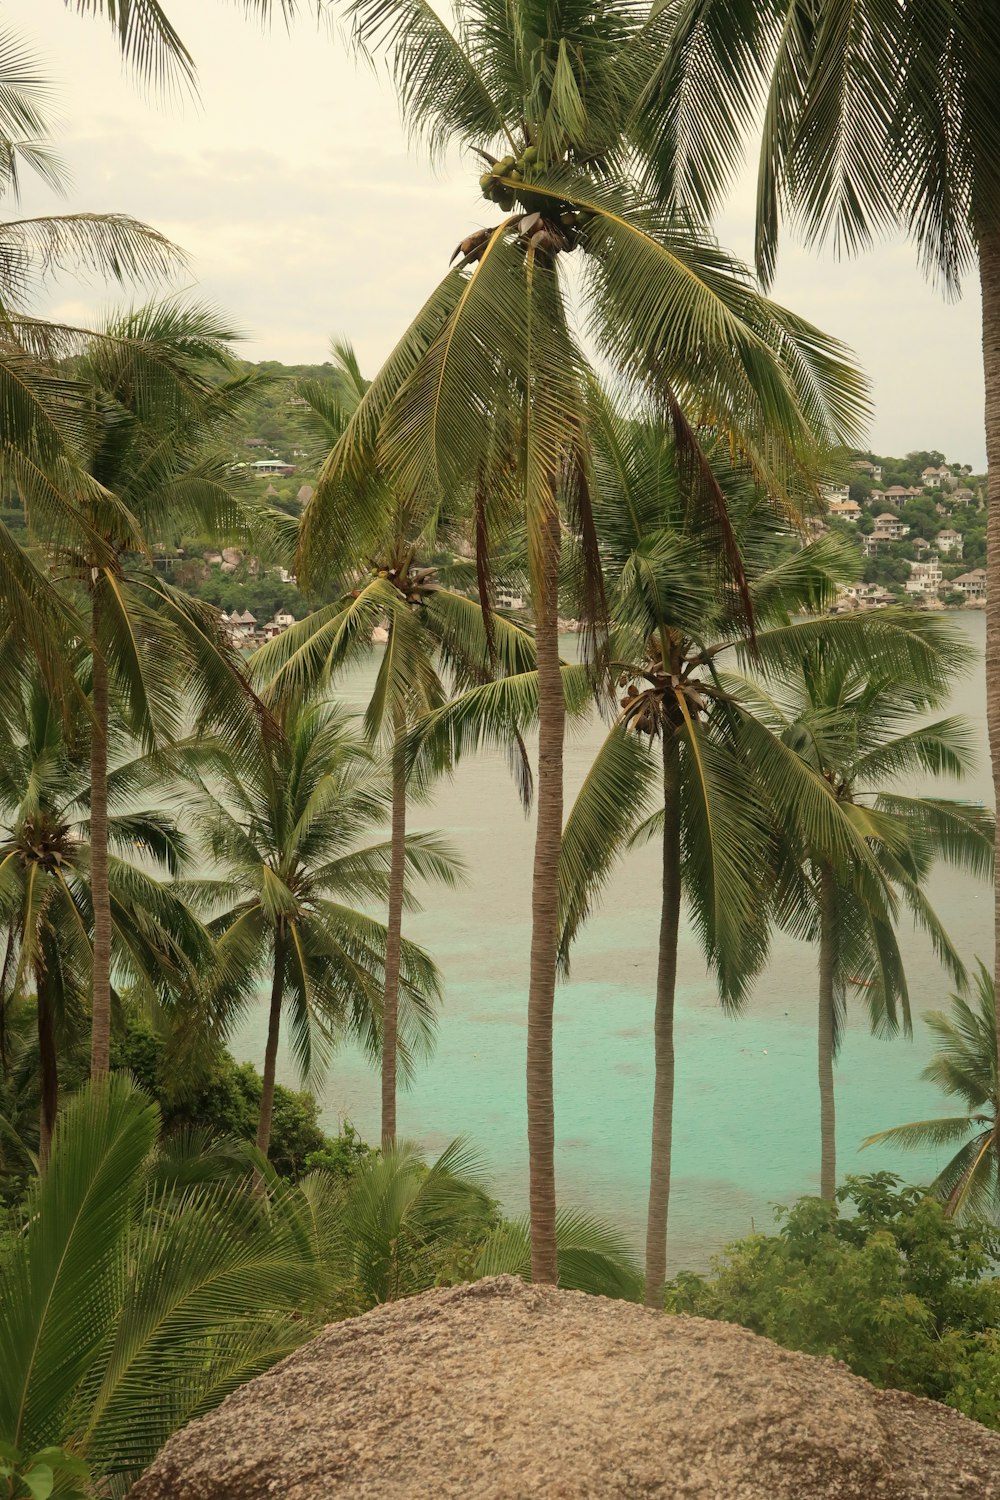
x=223, y=1099
x=136, y=1273
x=964, y=1065
x=881, y=1279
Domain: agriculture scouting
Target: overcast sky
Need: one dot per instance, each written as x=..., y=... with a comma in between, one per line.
x=306, y=214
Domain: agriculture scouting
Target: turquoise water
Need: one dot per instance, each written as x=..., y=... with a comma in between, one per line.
x=746, y=1130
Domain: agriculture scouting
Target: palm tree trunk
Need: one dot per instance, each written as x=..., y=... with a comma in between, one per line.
x=545, y=914
x=827, y=1109
x=989, y=275
x=4, y=972
x=663, y=1029
x=48, y=1070
x=394, y=928
x=271, y=1048
x=100, y=1045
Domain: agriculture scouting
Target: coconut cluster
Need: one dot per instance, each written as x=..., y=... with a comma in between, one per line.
x=508, y=183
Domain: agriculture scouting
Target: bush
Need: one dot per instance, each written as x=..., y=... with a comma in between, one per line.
x=880, y=1279
x=224, y=1098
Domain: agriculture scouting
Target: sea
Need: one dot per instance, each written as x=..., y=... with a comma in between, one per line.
x=746, y=1123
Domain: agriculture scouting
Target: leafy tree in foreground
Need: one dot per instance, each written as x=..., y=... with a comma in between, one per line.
x=965, y=1065
x=880, y=115
x=486, y=392
x=286, y=818
x=880, y=1278
x=127, y=1278
x=433, y=632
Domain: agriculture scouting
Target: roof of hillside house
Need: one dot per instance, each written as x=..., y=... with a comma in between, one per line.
x=499, y=1390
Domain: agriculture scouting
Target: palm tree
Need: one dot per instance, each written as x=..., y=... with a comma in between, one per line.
x=128, y=1274
x=46, y=908
x=150, y=43
x=46, y=421
x=965, y=1065
x=675, y=622
x=485, y=393
x=163, y=388
x=431, y=628
x=285, y=819
x=402, y=1225
x=879, y=117
x=857, y=725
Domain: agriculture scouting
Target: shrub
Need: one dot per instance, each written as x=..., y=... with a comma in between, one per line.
x=223, y=1097
x=880, y=1279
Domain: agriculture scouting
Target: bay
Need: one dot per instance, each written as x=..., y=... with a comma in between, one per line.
x=746, y=1132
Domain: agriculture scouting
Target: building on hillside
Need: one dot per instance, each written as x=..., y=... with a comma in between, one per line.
x=949, y=543
x=965, y=496
x=972, y=585
x=835, y=491
x=925, y=578
x=273, y=466
x=921, y=547
x=934, y=477
x=896, y=494
x=255, y=442
x=889, y=528
x=509, y=598
x=240, y=628
x=876, y=497
x=283, y=618
x=870, y=470
x=845, y=510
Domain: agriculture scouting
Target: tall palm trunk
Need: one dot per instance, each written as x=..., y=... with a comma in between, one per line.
x=663, y=1029
x=989, y=275
x=271, y=1047
x=394, y=928
x=827, y=961
x=545, y=914
x=48, y=1069
x=100, y=1046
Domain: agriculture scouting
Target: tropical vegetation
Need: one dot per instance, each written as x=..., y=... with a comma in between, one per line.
x=964, y=1065
x=881, y=1278
x=597, y=418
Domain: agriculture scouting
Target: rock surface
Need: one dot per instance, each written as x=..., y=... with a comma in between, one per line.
x=498, y=1391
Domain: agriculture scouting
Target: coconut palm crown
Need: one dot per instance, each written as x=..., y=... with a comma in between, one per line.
x=286, y=821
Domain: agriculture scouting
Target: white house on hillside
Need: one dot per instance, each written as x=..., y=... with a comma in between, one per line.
x=889, y=528
x=950, y=543
x=845, y=510
x=972, y=585
x=925, y=578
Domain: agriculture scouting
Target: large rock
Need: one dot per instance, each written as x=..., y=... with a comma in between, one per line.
x=504, y=1390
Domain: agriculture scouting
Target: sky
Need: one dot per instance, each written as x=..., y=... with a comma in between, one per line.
x=307, y=215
